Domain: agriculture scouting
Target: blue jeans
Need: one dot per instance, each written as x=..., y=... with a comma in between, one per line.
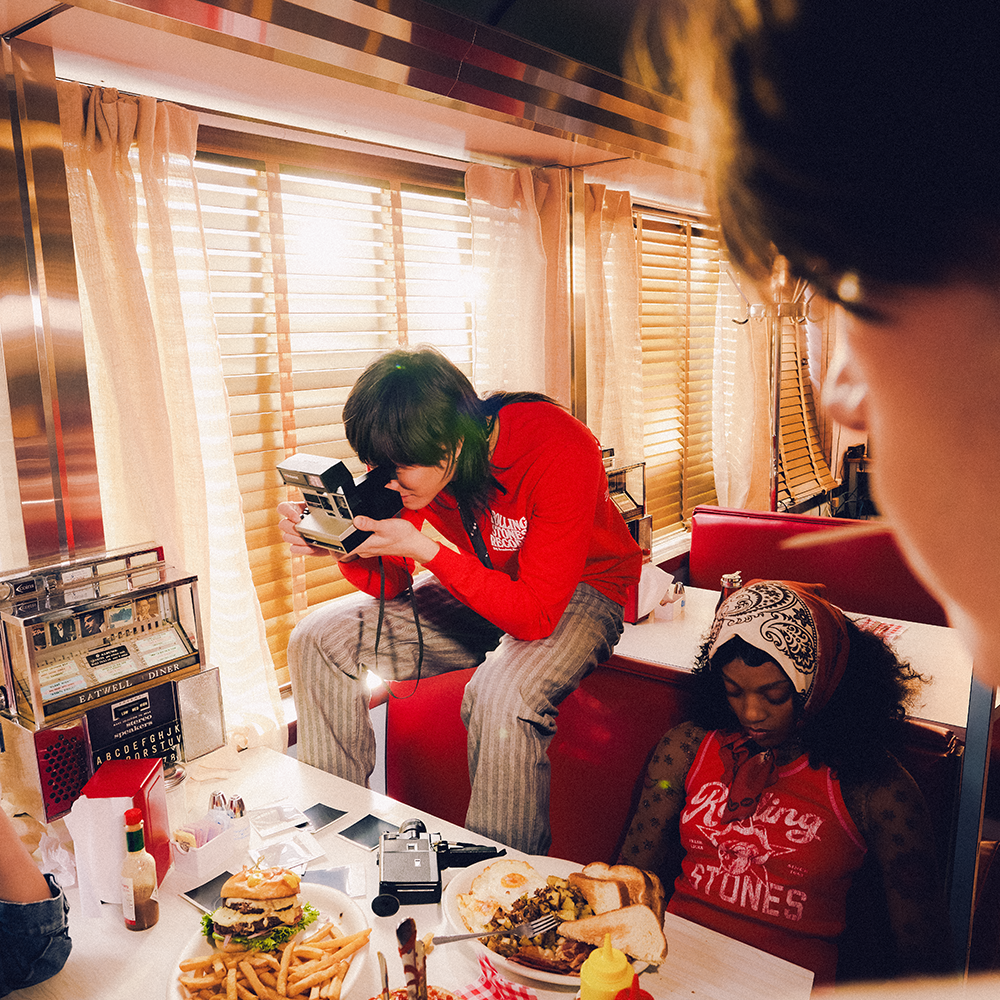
x=509, y=708
x=34, y=940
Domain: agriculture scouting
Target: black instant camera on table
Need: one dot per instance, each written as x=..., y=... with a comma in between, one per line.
x=334, y=498
x=410, y=862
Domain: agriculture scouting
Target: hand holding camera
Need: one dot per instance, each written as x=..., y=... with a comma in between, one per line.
x=344, y=517
x=291, y=514
x=395, y=537
x=333, y=499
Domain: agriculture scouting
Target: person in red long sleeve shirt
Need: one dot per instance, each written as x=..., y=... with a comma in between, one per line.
x=535, y=610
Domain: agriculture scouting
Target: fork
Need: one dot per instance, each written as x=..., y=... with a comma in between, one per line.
x=528, y=930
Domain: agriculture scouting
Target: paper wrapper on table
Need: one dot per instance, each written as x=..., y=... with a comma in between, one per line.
x=98, y=831
x=97, y=826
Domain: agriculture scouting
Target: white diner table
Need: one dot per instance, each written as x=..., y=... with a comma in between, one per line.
x=109, y=962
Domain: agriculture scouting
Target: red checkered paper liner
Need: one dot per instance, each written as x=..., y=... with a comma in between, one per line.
x=493, y=986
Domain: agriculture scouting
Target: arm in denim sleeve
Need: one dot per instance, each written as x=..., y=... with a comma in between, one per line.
x=35, y=938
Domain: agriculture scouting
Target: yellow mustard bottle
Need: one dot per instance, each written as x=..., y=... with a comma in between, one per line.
x=605, y=972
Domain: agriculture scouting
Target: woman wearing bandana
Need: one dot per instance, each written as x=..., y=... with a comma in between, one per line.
x=781, y=787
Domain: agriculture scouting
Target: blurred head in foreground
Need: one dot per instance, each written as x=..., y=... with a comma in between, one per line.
x=855, y=145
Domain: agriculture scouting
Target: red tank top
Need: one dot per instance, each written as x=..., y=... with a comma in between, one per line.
x=778, y=880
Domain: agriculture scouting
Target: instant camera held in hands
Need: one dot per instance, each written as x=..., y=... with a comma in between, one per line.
x=334, y=498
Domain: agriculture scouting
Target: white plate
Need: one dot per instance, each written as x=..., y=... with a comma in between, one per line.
x=334, y=907
x=462, y=882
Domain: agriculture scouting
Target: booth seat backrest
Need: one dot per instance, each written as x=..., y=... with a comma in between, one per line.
x=866, y=575
x=606, y=731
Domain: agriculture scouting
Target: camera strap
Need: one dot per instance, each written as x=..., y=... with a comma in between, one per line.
x=416, y=625
x=475, y=535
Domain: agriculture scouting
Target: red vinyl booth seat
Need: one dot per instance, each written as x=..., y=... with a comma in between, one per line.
x=608, y=727
x=606, y=731
x=867, y=575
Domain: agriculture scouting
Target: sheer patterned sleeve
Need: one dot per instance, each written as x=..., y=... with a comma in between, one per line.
x=653, y=841
x=896, y=825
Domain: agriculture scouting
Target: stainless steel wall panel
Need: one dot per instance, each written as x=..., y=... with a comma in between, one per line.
x=35, y=475
x=40, y=322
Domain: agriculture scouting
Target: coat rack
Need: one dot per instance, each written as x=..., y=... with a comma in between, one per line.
x=791, y=307
x=773, y=313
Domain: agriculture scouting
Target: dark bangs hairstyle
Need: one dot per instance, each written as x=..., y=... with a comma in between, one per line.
x=415, y=407
x=852, y=732
x=849, y=136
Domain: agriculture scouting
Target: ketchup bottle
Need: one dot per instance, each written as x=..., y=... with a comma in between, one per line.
x=635, y=991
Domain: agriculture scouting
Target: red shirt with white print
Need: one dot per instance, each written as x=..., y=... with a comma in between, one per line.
x=552, y=527
x=777, y=880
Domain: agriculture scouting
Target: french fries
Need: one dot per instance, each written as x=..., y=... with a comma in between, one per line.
x=311, y=969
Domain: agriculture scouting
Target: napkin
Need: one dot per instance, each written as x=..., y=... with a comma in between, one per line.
x=653, y=584
x=492, y=986
x=99, y=844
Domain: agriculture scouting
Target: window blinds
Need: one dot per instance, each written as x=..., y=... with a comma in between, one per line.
x=322, y=259
x=315, y=271
x=683, y=286
x=679, y=275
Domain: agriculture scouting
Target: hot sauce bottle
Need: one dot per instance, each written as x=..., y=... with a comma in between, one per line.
x=731, y=582
x=140, y=902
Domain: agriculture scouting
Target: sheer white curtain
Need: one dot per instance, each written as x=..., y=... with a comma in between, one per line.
x=614, y=348
x=741, y=405
x=519, y=249
x=161, y=423
x=520, y=238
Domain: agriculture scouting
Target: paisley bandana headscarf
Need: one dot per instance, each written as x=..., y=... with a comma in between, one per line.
x=807, y=638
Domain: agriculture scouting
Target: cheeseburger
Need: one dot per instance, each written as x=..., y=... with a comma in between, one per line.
x=260, y=910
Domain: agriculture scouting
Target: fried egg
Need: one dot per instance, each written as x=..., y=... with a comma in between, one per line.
x=497, y=885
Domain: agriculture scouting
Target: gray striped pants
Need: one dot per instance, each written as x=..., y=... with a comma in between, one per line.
x=509, y=708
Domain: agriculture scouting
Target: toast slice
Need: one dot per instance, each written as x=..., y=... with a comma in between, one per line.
x=603, y=894
x=633, y=929
x=643, y=887
x=657, y=895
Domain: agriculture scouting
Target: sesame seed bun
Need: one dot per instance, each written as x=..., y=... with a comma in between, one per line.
x=261, y=883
